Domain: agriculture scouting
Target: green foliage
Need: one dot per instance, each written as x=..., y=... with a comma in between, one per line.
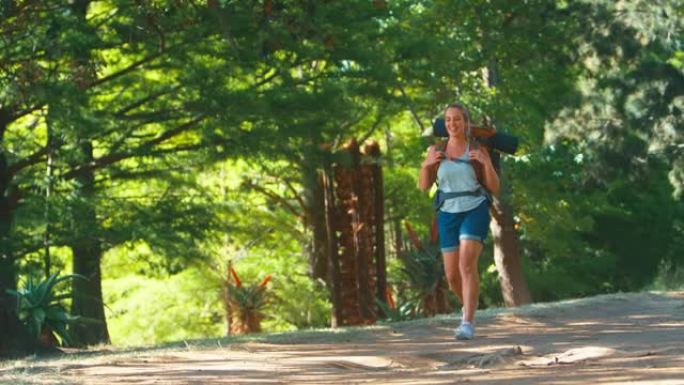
x=586, y=232
x=40, y=307
x=627, y=84
x=403, y=312
x=490, y=287
x=143, y=310
x=300, y=303
x=420, y=277
x=165, y=93
x=670, y=277
x=423, y=268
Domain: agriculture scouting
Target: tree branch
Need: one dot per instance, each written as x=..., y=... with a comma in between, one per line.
x=296, y=194
x=126, y=70
x=275, y=197
x=144, y=100
x=113, y=158
x=372, y=129
x=32, y=159
x=410, y=107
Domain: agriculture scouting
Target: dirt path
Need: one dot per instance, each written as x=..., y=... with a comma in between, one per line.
x=615, y=339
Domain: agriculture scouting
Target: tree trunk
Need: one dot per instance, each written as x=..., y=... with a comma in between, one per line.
x=334, y=275
x=15, y=341
x=373, y=150
x=315, y=222
x=354, y=220
x=87, y=250
x=7, y=270
x=244, y=323
x=87, y=253
x=362, y=230
x=395, y=222
x=513, y=285
x=344, y=211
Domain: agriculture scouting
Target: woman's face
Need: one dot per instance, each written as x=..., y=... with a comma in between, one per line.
x=455, y=121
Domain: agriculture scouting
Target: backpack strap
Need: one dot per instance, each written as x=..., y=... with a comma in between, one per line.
x=441, y=146
x=441, y=197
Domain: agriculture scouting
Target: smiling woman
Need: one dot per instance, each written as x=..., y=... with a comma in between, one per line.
x=466, y=180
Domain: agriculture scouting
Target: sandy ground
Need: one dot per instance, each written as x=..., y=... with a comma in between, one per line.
x=613, y=339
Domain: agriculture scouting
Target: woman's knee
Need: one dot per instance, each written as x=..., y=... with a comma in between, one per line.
x=451, y=270
x=468, y=268
x=453, y=278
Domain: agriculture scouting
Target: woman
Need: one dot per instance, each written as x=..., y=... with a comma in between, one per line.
x=466, y=178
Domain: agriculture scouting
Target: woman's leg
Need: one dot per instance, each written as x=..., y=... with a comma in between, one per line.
x=473, y=232
x=469, y=251
x=453, y=273
x=448, y=225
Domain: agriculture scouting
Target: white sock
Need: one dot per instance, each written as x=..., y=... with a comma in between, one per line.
x=463, y=315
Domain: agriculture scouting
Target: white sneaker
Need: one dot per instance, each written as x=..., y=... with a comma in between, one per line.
x=465, y=331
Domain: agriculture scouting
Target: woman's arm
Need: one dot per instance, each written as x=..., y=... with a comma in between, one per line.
x=489, y=175
x=428, y=170
x=428, y=175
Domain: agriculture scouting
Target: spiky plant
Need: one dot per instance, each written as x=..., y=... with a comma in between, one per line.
x=41, y=311
x=245, y=303
x=423, y=268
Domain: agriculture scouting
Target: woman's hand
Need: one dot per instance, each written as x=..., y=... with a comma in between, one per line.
x=433, y=157
x=480, y=157
x=490, y=179
x=428, y=171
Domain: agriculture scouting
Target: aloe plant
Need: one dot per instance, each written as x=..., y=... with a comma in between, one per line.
x=402, y=312
x=245, y=304
x=422, y=265
x=40, y=308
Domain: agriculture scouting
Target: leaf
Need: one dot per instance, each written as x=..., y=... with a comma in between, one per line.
x=60, y=329
x=42, y=292
x=238, y=283
x=265, y=281
x=57, y=312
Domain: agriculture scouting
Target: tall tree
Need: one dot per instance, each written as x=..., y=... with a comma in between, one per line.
x=93, y=130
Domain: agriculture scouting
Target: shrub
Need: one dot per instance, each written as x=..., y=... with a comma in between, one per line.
x=41, y=311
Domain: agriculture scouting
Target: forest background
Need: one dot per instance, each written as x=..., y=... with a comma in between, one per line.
x=147, y=144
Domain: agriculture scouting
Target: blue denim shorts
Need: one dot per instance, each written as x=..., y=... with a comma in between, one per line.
x=471, y=224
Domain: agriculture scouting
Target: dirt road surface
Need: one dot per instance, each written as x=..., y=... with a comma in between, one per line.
x=633, y=339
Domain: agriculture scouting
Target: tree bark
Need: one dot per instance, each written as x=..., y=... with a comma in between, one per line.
x=87, y=250
x=373, y=151
x=354, y=219
x=315, y=222
x=87, y=300
x=7, y=271
x=334, y=275
x=513, y=285
x=363, y=235
x=15, y=341
x=395, y=222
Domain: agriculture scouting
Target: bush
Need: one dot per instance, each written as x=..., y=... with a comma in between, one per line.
x=40, y=309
